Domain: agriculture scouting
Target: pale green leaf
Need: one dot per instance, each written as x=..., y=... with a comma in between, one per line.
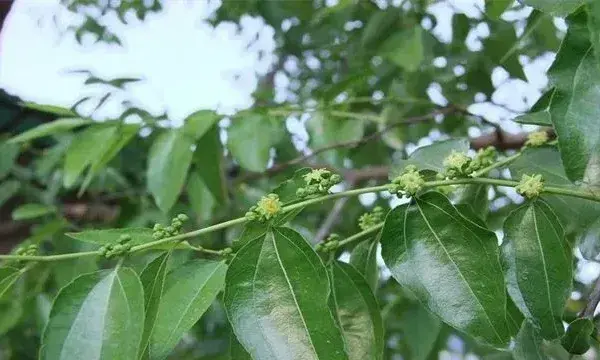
x=364, y=259
x=556, y=7
x=430, y=157
x=250, y=139
x=208, y=160
x=97, y=316
x=451, y=263
x=51, y=128
x=153, y=280
x=31, y=211
x=528, y=344
x=201, y=198
x=326, y=130
x=168, y=163
x=198, y=123
x=111, y=236
x=495, y=8
x=405, y=48
x=276, y=298
x=8, y=276
x=421, y=330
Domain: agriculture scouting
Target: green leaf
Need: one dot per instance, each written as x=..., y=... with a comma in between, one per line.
x=86, y=149
x=575, y=214
x=50, y=109
x=11, y=313
x=51, y=128
x=589, y=242
x=540, y=111
x=577, y=338
x=476, y=196
x=593, y=9
x=378, y=27
x=32, y=211
x=168, y=163
x=287, y=189
x=496, y=8
x=208, y=159
x=556, y=7
x=576, y=76
x=357, y=313
x=8, y=189
x=276, y=298
x=364, y=259
x=188, y=292
x=8, y=276
x=200, y=197
x=252, y=230
x=198, y=123
x=111, y=236
x=443, y=257
x=236, y=350
x=97, y=316
x=543, y=264
x=499, y=48
x=430, y=157
x=510, y=273
x=420, y=330
x=250, y=139
x=405, y=48
x=153, y=280
x=528, y=344
x=9, y=153
x=125, y=134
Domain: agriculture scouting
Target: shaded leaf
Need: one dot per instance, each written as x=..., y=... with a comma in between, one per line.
x=556, y=7
x=250, y=139
x=277, y=302
x=208, y=159
x=111, y=236
x=325, y=130
x=475, y=195
x=540, y=111
x=364, y=259
x=51, y=128
x=495, y=8
x=236, y=350
x=421, y=330
x=357, y=313
x=50, y=109
x=577, y=338
x=9, y=153
x=200, y=197
x=188, y=292
x=8, y=276
x=542, y=264
x=576, y=76
x=168, y=163
x=153, y=280
x=405, y=48
x=442, y=256
x=8, y=189
x=528, y=344
x=97, y=316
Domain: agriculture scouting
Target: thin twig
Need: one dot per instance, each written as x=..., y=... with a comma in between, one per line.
x=593, y=300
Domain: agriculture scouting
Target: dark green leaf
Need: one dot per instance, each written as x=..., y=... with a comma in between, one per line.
x=236, y=350
x=576, y=76
x=153, y=280
x=97, y=316
x=556, y=7
x=10, y=315
x=86, y=149
x=31, y=211
x=421, y=330
x=252, y=230
x=357, y=313
x=51, y=128
x=364, y=259
x=431, y=157
x=542, y=263
x=50, y=109
x=499, y=48
x=9, y=153
x=198, y=123
x=276, y=297
x=200, y=197
x=574, y=214
x=528, y=344
x=495, y=8
x=378, y=27
x=250, y=139
x=168, y=163
x=405, y=48
x=476, y=196
x=208, y=158
x=577, y=338
x=512, y=285
x=442, y=256
x=188, y=292
x=8, y=276
x=540, y=111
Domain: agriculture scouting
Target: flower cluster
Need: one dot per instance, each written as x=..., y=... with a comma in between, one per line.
x=537, y=138
x=161, y=232
x=368, y=220
x=318, y=182
x=30, y=250
x=330, y=243
x=410, y=181
x=457, y=164
x=122, y=247
x=267, y=208
x=530, y=186
x=483, y=158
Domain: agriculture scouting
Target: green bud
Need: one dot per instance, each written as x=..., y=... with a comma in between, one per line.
x=530, y=186
x=250, y=216
x=170, y=230
x=227, y=251
x=301, y=192
x=177, y=224
x=157, y=227
x=124, y=238
x=182, y=217
x=537, y=138
x=312, y=189
x=335, y=179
